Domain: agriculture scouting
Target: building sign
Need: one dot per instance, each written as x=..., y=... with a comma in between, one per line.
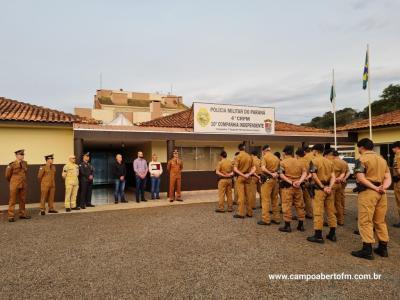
x=233, y=119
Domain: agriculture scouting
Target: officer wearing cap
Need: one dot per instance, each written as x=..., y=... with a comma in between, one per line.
x=85, y=182
x=70, y=174
x=269, y=187
x=373, y=177
x=46, y=176
x=244, y=168
x=224, y=172
x=16, y=176
x=323, y=179
x=396, y=176
x=292, y=174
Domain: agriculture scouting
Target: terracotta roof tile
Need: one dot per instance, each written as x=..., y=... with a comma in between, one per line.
x=12, y=110
x=184, y=119
x=391, y=118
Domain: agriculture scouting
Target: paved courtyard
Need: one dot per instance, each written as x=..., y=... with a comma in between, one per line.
x=182, y=251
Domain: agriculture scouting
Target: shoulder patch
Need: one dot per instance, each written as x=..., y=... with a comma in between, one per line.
x=359, y=167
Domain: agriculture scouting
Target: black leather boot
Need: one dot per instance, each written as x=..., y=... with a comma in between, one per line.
x=316, y=238
x=332, y=234
x=382, y=249
x=365, y=252
x=300, y=226
x=286, y=228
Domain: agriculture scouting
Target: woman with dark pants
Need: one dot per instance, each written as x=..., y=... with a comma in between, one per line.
x=119, y=174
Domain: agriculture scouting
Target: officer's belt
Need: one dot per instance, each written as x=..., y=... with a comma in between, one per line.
x=323, y=183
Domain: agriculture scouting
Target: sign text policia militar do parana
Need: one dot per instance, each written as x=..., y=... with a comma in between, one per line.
x=233, y=119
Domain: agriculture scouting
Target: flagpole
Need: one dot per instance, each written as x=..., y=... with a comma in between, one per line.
x=369, y=94
x=334, y=107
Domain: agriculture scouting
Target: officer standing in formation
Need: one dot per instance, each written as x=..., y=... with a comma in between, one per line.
x=244, y=168
x=70, y=174
x=324, y=178
x=396, y=176
x=305, y=163
x=340, y=168
x=16, y=176
x=292, y=173
x=86, y=172
x=373, y=176
x=269, y=187
x=174, y=167
x=255, y=179
x=46, y=176
x=225, y=173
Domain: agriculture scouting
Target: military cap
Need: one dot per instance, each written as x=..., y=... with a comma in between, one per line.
x=265, y=147
x=50, y=156
x=396, y=144
x=319, y=148
x=21, y=152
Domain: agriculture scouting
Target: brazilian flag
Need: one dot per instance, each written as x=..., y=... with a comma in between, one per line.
x=365, y=74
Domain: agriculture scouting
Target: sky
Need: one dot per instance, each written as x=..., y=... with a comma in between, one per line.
x=266, y=53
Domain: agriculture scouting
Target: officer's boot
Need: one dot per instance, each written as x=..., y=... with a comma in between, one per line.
x=300, y=226
x=365, y=252
x=123, y=199
x=286, y=228
x=332, y=234
x=382, y=249
x=116, y=199
x=316, y=238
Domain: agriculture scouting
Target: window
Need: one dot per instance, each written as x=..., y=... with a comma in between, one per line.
x=199, y=158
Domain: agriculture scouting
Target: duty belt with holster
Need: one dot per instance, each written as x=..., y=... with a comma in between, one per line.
x=324, y=183
x=264, y=178
x=284, y=184
x=361, y=188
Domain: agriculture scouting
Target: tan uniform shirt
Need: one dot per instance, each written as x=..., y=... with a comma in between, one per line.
x=292, y=168
x=305, y=163
x=46, y=175
x=257, y=164
x=309, y=156
x=225, y=166
x=270, y=162
x=175, y=167
x=339, y=166
x=396, y=165
x=243, y=162
x=323, y=167
x=374, y=166
x=16, y=173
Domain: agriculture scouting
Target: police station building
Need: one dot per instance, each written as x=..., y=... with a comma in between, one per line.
x=199, y=133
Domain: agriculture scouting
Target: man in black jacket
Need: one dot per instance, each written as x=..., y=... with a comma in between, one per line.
x=85, y=182
x=119, y=175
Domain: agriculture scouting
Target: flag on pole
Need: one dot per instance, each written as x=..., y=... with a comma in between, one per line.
x=333, y=93
x=365, y=74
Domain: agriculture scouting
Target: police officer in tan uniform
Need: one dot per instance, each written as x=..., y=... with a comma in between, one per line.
x=46, y=176
x=174, y=167
x=16, y=175
x=70, y=174
x=224, y=172
x=323, y=178
x=292, y=174
x=396, y=176
x=373, y=177
x=269, y=187
x=340, y=168
x=244, y=169
x=255, y=179
x=305, y=163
